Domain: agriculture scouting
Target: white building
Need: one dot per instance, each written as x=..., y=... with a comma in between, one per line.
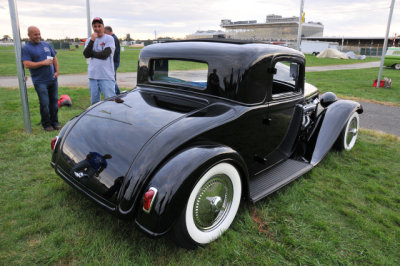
x=275, y=28
x=206, y=34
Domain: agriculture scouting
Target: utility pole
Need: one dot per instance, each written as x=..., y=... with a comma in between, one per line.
x=342, y=43
x=20, y=68
x=300, y=25
x=385, y=44
x=89, y=27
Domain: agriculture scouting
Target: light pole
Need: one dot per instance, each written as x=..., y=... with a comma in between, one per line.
x=300, y=22
x=385, y=44
x=89, y=27
x=20, y=68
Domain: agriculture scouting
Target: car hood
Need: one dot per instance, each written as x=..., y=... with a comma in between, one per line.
x=98, y=150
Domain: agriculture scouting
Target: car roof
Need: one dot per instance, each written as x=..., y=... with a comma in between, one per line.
x=233, y=52
x=239, y=71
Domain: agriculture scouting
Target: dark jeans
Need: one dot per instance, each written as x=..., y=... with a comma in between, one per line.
x=117, y=92
x=48, y=100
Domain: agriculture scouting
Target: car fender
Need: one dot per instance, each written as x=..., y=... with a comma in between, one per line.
x=175, y=180
x=335, y=118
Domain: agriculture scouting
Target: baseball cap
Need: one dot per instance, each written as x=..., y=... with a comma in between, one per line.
x=97, y=20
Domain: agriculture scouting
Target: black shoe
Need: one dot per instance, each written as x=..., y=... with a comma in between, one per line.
x=57, y=127
x=50, y=128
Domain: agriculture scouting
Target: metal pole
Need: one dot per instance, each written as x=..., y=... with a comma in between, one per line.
x=21, y=72
x=299, y=29
x=342, y=43
x=385, y=44
x=89, y=26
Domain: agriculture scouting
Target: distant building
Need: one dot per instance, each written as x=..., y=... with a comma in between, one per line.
x=371, y=46
x=275, y=28
x=6, y=43
x=206, y=34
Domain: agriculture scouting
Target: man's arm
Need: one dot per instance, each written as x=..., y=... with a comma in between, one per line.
x=34, y=65
x=88, y=49
x=56, y=70
x=103, y=54
x=117, y=48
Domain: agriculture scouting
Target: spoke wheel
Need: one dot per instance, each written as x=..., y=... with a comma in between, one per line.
x=396, y=66
x=211, y=207
x=213, y=202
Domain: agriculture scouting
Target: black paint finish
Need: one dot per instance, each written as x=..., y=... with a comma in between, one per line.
x=166, y=136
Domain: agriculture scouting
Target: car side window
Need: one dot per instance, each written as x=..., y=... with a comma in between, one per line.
x=286, y=78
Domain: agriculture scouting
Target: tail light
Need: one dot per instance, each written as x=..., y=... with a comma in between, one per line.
x=54, y=142
x=148, y=199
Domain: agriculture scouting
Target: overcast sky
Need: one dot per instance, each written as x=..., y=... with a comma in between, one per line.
x=177, y=18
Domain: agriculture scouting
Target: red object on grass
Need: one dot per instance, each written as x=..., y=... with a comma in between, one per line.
x=381, y=85
x=65, y=100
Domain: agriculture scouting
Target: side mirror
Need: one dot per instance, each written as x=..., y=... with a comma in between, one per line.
x=294, y=71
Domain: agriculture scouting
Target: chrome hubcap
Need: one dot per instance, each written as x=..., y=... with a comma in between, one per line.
x=213, y=202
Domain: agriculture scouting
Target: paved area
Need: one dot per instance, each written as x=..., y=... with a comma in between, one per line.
x=381, y=117
x=126, y=80
x=375, y=116
x=342, y=67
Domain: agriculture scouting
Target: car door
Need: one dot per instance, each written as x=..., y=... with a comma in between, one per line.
x=283, y=118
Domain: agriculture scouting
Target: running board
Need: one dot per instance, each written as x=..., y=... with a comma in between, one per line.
x=273, y=179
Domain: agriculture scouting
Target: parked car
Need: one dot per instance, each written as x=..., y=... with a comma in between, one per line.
x=392, y=58
x=183, y=149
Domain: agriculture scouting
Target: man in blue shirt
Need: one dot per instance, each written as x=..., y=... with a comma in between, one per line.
x=108, y=30
x=42, y=63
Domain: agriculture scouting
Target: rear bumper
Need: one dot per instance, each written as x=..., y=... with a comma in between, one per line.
x=99, y=200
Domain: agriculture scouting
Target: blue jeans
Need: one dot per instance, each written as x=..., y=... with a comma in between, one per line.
x=117, y=92
x=48, y=101
x=98, y=86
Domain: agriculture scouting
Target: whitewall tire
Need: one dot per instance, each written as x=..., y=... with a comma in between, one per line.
x=348, y=137
x=211, y=207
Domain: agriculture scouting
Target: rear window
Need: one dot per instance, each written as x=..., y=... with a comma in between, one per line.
x=179, y=72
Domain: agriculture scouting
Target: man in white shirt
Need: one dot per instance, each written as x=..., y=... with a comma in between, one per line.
x=100, y=49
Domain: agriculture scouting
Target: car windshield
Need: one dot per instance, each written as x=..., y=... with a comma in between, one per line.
x=286, y=77
x=283, y=73
x=393, y=51
x=180, y=72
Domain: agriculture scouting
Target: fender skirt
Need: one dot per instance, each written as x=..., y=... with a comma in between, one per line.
x=175, y=181
x=336, y=117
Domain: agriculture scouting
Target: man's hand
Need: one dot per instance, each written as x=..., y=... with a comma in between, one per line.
x=47, y=62
x=94, y=36
x=56, y=75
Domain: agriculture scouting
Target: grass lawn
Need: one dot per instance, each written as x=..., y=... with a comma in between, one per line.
x=357, y=83
x=345, y=211
x=70, y=61
x=73, y=62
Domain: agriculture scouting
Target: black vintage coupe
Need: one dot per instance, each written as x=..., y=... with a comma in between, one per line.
x=179, y=152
